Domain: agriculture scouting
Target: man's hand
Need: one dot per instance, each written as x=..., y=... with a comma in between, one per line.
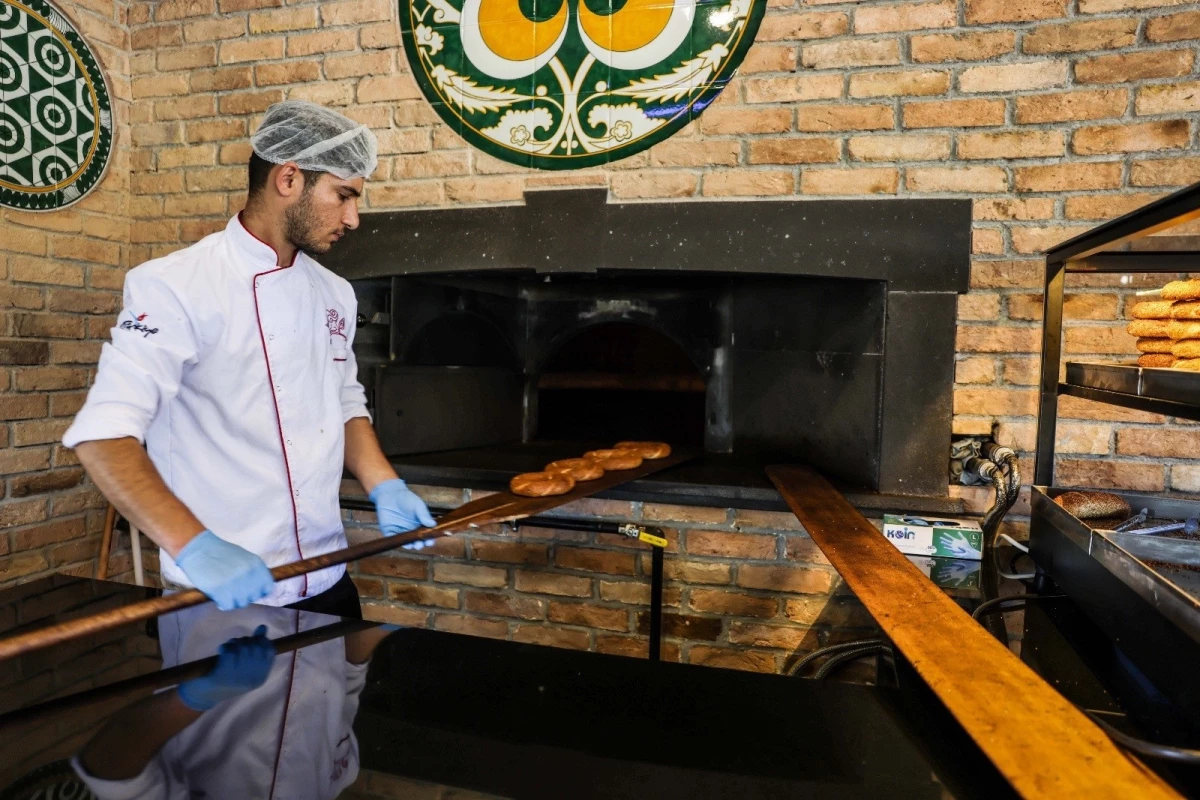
x=232, y=576
x=399, y=510
x=242, y=665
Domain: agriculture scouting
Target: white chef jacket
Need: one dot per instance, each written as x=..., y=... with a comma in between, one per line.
x=239, y=377
x=290, y=739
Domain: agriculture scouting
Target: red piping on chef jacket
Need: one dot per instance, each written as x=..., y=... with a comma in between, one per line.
x=274, y=401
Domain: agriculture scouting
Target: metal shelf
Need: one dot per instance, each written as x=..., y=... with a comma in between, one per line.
x=1153, y=405
x=1100, y=250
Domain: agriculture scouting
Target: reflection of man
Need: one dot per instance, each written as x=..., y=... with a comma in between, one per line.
x=232, y=362
x=256, y=726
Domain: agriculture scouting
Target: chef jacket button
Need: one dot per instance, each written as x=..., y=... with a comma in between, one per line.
x=271, y=337
x=289, y=441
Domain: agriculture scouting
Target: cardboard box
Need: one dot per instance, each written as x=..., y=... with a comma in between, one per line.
x=949, y=573
x=934, y=536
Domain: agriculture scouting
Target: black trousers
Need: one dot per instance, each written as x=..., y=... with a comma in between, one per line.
x=340, y=600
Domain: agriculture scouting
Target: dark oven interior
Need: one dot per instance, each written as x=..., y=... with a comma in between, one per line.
x=841, y=358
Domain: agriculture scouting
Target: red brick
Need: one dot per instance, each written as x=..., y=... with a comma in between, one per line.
x=970, y=46
x=47, y=533
x=851, y=53
x=738, y=604
x=1165, y=172
x=806, y=150
x=407, y=617
x=975, y=370
x=995, y=402
x=1104, y=473
x=1077, y=408
x=471, y=626
x=1101, y=34
x=419, y=594
x=1126, y=67
x=469, y=574
x=750, y=660
x=954, y=114
x=510, y=552
x=906, y=17
x=612, y=563
x=682, y=626
x=21, y=565
x=784, y=579
x=1168, y=99
x=504, y=605
x=850, y=181
x=803, y=550
x=793, y=88
x=985, y=12
x=724, y=544
x=546, y=583
x=1106, y=206
x=1158, y=442
x=1068, y=177
x=551, y=637
x=1013, y=77
x=589, y=616
x=956, y=179
x=1132, y=138
x=22, y=513
x=893, y=84
x=840, y=613
x=748, y=183
x=1099, y=339
x=784, y=637
x=1011, y=145
x=1174, y=27
x=818, y=25
x=694, y=571
x=1061, y=107
x=658, y=512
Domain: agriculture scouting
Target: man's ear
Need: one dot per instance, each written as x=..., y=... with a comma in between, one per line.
x=289, y=180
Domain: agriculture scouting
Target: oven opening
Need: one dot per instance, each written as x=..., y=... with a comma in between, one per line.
x=621, y=380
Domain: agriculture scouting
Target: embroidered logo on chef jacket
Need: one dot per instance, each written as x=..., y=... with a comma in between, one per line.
x=338, y=342
x=136, y=323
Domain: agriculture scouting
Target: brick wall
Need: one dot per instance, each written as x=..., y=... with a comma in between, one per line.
x=60, y=285
x=743, y=589
x=1052, y=115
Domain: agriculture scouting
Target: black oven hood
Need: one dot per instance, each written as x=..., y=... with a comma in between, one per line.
x=819, y=331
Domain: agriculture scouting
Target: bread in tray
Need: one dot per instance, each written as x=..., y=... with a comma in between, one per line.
x=1155, y=345
x=1156, y=360
x=1151, y=328
x=1182, y=290
x=1152, y=309
x=1093, y=505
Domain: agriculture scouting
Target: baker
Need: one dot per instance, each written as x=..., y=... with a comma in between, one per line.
x=231, y=361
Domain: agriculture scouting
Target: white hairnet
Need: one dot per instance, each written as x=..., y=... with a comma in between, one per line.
x=315, y=138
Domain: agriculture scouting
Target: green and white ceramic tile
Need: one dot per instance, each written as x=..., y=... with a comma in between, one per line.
x=56, y=125
x=564, y=84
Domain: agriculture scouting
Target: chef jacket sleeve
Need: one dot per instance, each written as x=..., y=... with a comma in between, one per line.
x=140, y=370
x=354, y=397
x=154, y=781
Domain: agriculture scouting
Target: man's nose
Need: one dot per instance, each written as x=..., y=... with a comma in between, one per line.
x=350, y=218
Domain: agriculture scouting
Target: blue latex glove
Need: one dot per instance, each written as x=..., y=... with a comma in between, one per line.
x=399, y=510
x=242, y=665
x=232, y=576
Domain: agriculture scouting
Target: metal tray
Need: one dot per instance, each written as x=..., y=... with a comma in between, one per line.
x=1163, y=572
x=1181, y=386
x=1110, y=377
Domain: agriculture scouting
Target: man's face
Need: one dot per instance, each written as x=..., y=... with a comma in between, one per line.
x=325, y=210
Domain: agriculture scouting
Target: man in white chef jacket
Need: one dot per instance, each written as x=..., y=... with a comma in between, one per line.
x=232, y=362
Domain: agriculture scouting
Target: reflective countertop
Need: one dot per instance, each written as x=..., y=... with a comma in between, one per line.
x=339, y=708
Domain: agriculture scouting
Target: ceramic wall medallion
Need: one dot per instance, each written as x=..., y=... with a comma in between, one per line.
x=56, y=125
x=562, y=84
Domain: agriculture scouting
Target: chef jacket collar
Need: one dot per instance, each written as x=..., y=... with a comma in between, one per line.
x=259, y=256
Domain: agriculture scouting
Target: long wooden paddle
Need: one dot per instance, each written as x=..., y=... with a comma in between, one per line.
x=1044, y=746
x=498, y=507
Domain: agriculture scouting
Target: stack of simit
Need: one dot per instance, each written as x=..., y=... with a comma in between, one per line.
x=1168, y=330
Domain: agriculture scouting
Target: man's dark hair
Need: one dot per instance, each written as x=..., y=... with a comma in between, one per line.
x=260, y=170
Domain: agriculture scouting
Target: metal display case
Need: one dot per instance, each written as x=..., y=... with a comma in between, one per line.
x=1142, y=590
x=1133, y=243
